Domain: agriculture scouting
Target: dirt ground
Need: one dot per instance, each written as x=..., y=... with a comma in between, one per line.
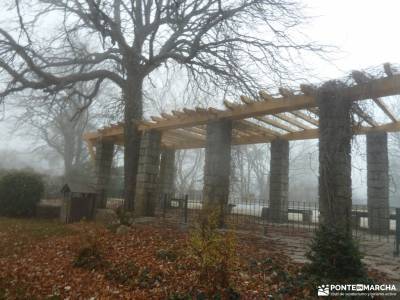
x=38, y=260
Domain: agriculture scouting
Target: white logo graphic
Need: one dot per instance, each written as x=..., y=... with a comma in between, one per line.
x=323, y=290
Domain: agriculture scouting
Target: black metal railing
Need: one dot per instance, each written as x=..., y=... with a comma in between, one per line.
x=380, y=223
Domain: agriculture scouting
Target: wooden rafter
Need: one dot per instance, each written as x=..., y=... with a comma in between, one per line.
x=197, y=130
x=266, y=120
x=363, y=78
x=305, y=117
x=252, y=127
x=364, y=116
x=300, y=135
x=185, y=134
x=186, y=128
x=292, y=121
x=377, y=88
x=274, y=123
x=385, y=109
x=307, y=90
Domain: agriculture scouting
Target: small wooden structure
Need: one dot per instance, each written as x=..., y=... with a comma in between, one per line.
x=79, y=202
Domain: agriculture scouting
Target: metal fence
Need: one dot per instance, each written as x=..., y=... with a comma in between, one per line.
x=380, y=223
x=368, y=223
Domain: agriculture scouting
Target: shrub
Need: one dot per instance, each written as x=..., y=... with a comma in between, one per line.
x=214, y=253
x=335, y=257
x=123, y=273
x=19, y=193
x=166, y=254
x=89, y=255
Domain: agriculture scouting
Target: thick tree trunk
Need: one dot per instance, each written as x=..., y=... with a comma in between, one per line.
x=133, y=93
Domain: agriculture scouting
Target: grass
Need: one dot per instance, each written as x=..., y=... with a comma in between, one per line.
x=16, y=234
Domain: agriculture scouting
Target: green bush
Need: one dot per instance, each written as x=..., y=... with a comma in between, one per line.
x=19, y=193
x=335, y=257
x=214, y=253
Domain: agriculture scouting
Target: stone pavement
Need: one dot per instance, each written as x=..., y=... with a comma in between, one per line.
x=378, y=254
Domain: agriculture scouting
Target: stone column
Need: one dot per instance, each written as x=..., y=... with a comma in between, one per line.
x=217, y=166
x=279, y=181
x=378, y=182
x=334, y=154
x=104, y=157
x=166, y=179
x=146, y=180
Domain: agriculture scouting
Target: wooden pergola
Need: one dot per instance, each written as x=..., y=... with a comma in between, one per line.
x=289, y=116
x=269, y=119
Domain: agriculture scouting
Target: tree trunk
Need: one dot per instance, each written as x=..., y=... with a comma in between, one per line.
x=133, y=96
x=69, y=145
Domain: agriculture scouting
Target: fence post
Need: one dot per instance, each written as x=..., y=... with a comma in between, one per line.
x=185, y=209
x=397, y=249
x=165, y=205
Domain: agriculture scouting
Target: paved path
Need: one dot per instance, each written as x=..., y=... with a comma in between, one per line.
x=378, y=253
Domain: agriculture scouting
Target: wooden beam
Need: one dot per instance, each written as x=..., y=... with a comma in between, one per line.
x=242, y=112
x=167, y=116
x=274, y=123
x=300, y=135
x=362, y=77
x=306, y=118
x=196, y=130
x=385, y=109
x=363, y=115
x=357, y=130
x=292, y=121
x=314, y=133
x=252, y=127
x=266, y=120
x=181, y=133
x=376, y=88
x=283, y=117
x=157, y=119
x=265, y=96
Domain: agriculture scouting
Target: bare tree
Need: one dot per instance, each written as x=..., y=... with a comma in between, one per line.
x=221, y=43
x=250, y=166
x=189, y=167
x=59, y=126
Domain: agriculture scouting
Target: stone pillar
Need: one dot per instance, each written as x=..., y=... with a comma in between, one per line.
x=378, y=182
x=146, y=180
x=217, y=166
x=166, y=177
x=279, y=181
x=335, y=129
x=104, y=157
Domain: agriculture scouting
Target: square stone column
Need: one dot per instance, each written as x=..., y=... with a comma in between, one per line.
x=166, y=178
x=378, y=182
x=104, y=157
x=279, y=181
x=146, y=180
x=335, y=129
x=217, y=166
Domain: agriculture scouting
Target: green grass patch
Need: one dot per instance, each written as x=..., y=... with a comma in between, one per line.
x=35, y=228
x=17, y=234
